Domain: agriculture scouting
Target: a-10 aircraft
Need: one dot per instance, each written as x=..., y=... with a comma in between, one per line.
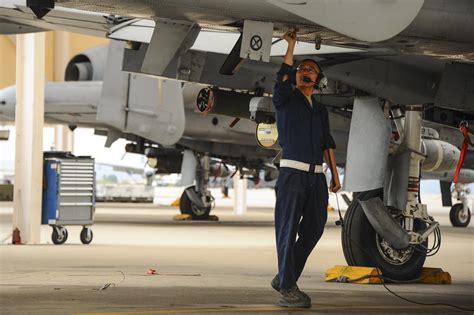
x=413, y=59
x=76, y=103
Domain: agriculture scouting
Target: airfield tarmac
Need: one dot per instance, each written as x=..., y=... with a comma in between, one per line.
x=220, y=267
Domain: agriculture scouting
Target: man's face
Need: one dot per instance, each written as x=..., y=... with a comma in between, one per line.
x=306, y=69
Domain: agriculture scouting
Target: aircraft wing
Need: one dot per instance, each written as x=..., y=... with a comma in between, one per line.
x=356, y=19
x=15, y=19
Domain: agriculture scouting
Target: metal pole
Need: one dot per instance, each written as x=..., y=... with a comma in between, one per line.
x=413, y=124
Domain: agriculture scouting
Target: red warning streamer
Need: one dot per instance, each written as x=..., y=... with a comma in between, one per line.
x=467, y=141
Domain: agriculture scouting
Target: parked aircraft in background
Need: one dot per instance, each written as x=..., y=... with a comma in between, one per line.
x=414, y=59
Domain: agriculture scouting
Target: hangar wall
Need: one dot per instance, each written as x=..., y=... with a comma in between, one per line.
x=77, y=43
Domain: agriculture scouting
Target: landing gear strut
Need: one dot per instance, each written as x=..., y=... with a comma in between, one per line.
x=197, y=200
x=460, y=214
x=399, y=248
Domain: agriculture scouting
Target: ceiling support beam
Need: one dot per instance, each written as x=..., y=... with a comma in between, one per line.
x=29, y=121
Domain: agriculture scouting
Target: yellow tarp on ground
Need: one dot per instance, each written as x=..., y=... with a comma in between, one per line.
x=369, y=275
x=354, y=274
x=176, y=202
x=435, y=276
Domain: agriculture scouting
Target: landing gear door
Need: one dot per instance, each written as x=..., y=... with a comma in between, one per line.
x=367, y=150
x=145, y=106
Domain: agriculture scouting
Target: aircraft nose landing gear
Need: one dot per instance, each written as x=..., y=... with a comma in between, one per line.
x=196, y=207
x=197, y=200
x=460, y=214
x=392, y=233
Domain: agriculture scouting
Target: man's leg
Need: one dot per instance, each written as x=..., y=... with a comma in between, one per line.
x=312, y=225
x=289, y=206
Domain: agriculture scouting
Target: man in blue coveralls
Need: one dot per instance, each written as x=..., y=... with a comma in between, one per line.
x=301, y=189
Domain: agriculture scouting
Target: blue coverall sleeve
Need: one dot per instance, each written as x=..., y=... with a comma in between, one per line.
x=283, y=89
x=330, y=143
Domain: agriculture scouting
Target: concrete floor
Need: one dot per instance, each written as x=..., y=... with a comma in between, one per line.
x=205, y=267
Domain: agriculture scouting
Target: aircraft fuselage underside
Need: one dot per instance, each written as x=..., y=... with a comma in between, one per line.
x=432, y=28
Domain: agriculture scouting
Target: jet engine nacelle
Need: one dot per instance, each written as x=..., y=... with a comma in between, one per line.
x=440, y=156
x=88, y=65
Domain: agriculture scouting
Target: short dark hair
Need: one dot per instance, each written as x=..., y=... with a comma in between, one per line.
x=313, y=61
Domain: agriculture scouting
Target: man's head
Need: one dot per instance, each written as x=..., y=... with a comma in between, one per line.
x=307, y=68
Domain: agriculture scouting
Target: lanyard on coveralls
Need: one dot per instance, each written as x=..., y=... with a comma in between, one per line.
x=341, y=220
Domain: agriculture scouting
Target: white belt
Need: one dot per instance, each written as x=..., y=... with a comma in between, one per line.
x=300, y=165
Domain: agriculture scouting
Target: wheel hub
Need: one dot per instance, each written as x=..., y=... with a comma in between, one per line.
x=391, y=255
x=197, y=211
x=61, y=234
x=463, y=216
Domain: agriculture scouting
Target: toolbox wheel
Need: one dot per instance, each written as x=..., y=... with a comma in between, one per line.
x=86, y=235
x=59, y=235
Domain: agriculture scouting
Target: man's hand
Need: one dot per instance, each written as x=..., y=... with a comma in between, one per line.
x=331, y=161
x=290, y=37
x=335, y=185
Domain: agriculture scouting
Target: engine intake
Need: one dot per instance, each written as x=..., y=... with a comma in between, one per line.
x=88, y=65
x=79, y=70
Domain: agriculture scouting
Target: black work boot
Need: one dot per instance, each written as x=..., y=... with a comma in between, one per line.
x=294, y=298
x=276, y=286
x=276, y=283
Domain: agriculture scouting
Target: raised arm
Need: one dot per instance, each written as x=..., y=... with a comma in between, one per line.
x=290, y=37
x=283, y=89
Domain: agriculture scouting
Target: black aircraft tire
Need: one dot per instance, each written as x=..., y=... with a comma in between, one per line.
x=455, y=216
x=187, y=207
x=347, y=245
x=359, y=244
